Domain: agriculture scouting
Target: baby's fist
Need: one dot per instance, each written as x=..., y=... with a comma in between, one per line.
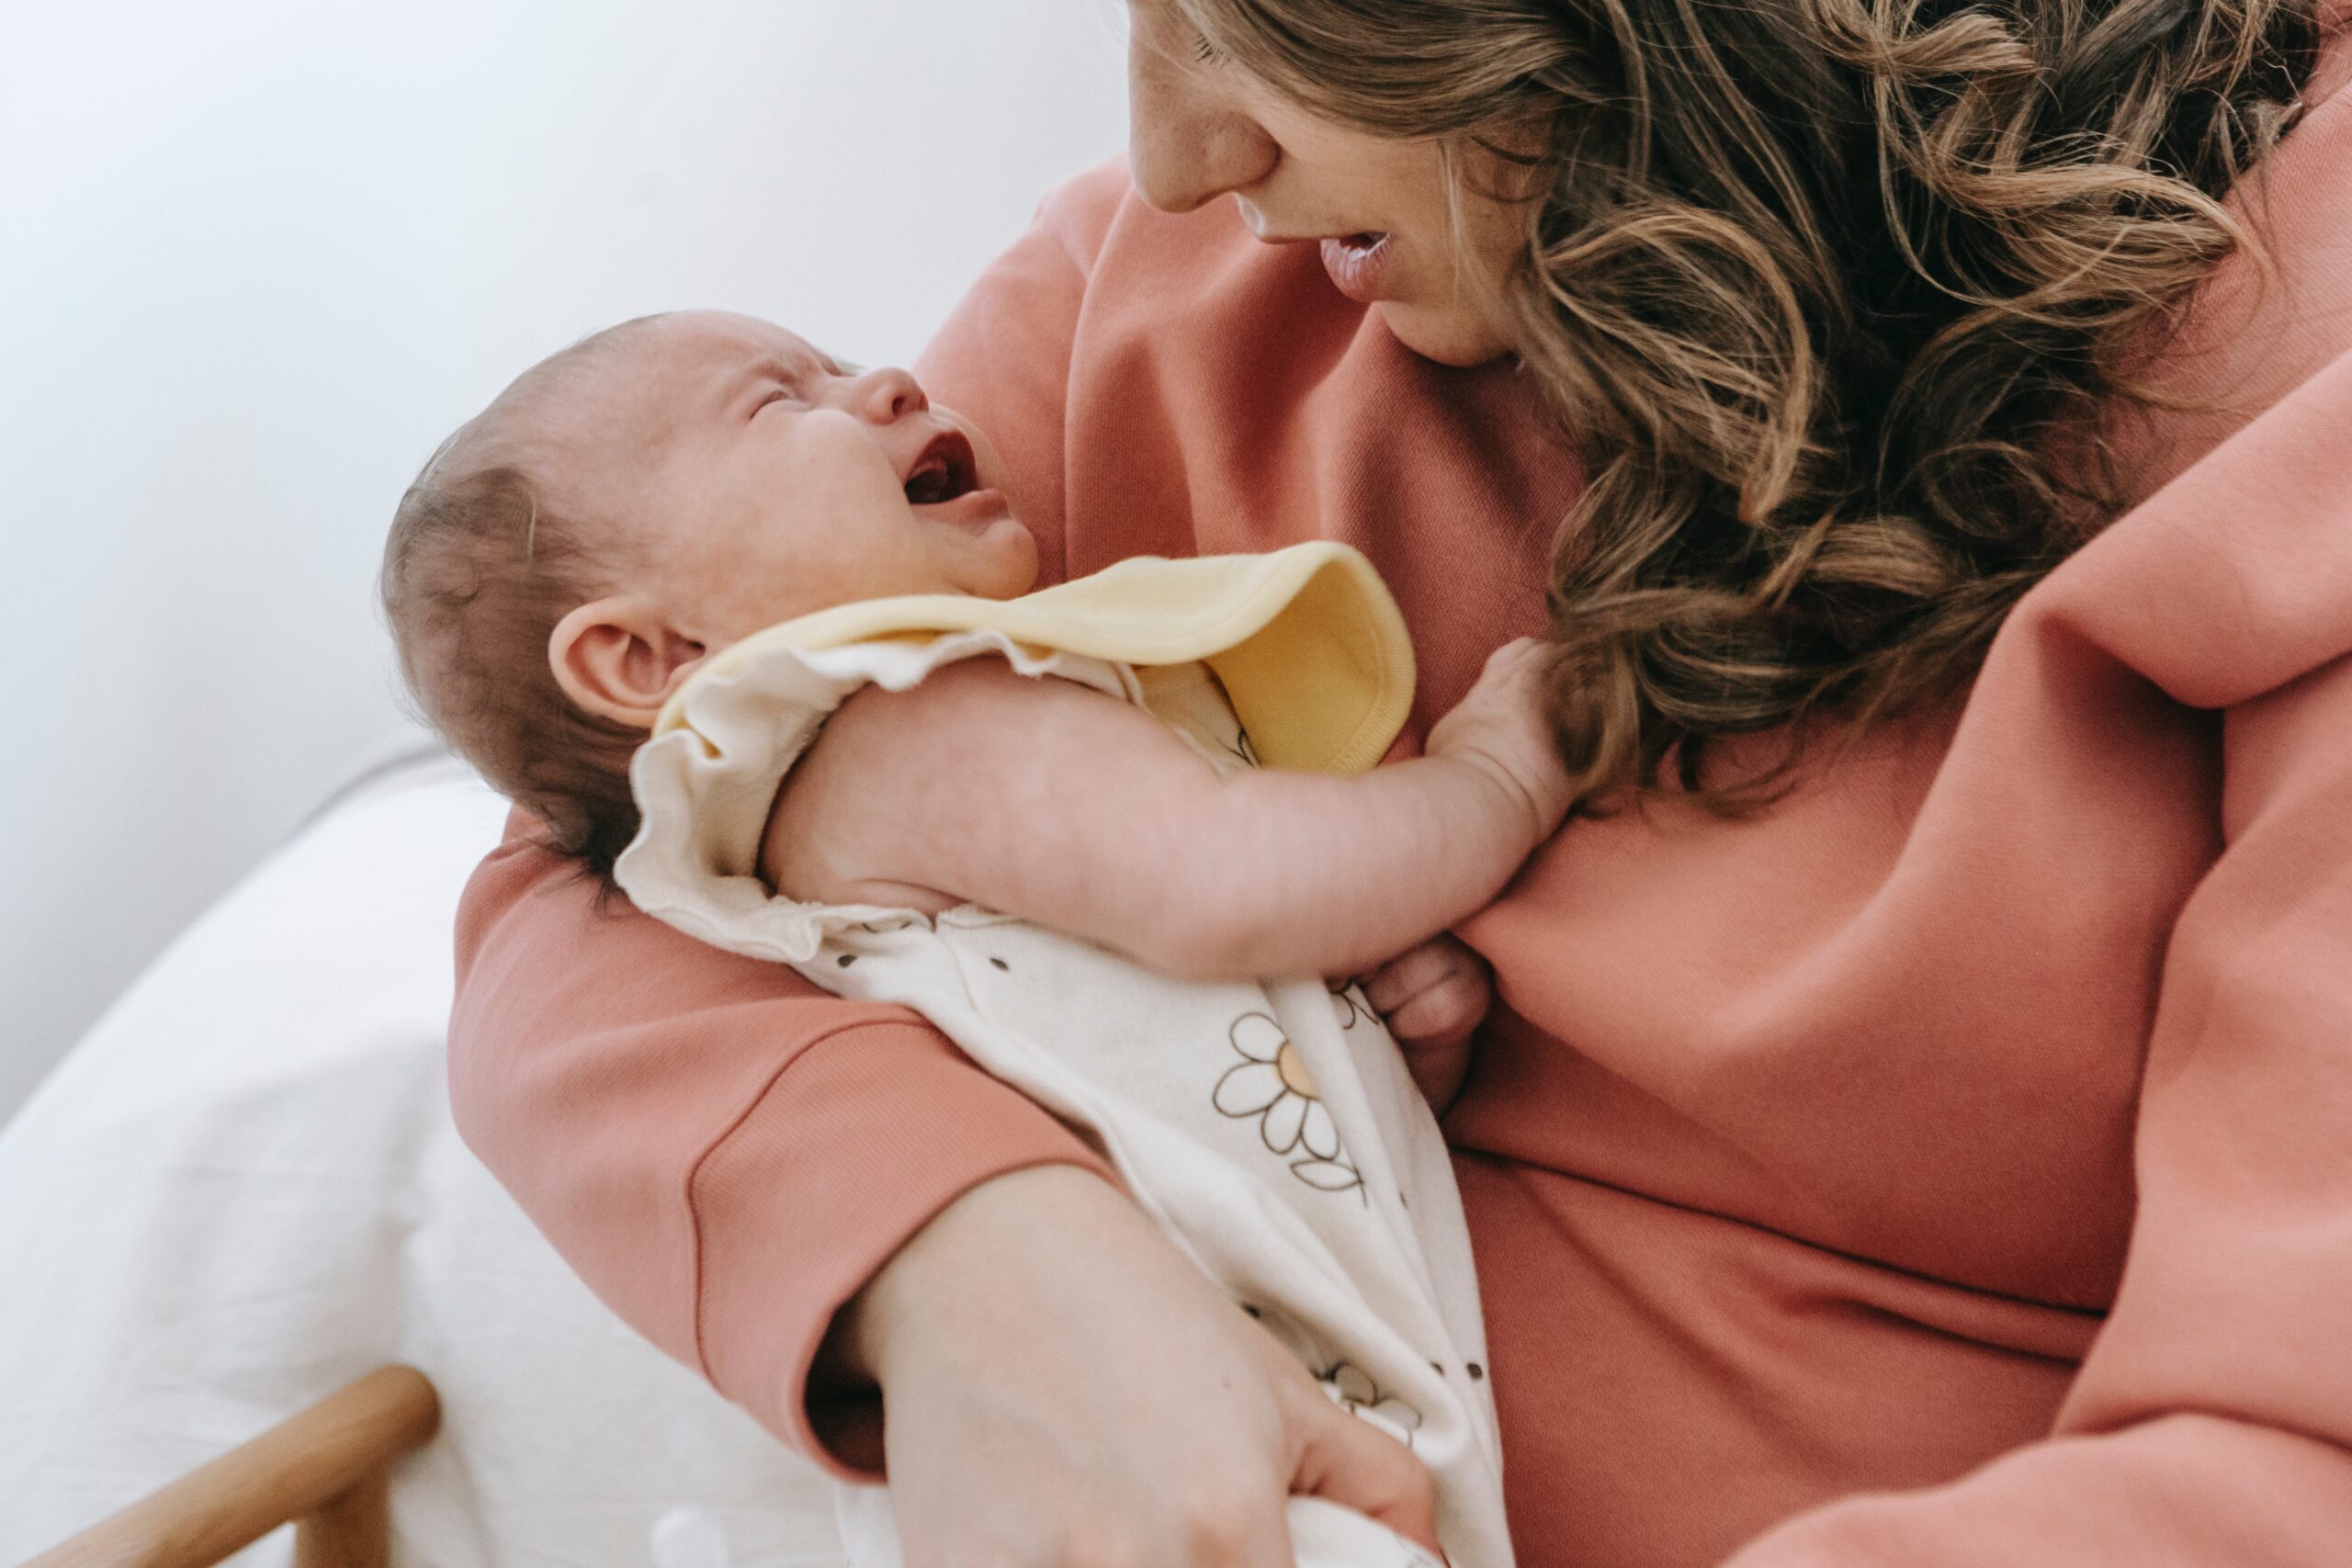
x=1433, y=998
x=1504, y=725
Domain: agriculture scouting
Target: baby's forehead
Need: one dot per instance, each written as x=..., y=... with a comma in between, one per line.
x=664, y=370
x=609, y=406
x=692, y=343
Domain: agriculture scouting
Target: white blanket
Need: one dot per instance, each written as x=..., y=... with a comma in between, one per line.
x=242, y=1190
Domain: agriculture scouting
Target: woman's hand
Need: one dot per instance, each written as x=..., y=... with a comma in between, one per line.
x=1061, y=1388
x=1504, y=726
x=1433, y=998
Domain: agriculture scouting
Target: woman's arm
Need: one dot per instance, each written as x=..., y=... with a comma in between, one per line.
x=724, y=1153
x=1051, y=801
x=1091, y=1398
x=2211, y=1422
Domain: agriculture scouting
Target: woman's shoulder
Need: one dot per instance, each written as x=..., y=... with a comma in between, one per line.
x=1079, y=211
x=2230, y=575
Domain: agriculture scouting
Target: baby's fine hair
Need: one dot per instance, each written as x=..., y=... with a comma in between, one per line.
x=486, y=554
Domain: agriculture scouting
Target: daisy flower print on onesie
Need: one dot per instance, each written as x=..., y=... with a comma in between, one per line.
x=1270, y=1083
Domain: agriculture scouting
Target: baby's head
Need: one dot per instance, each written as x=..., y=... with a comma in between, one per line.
x=635, y=504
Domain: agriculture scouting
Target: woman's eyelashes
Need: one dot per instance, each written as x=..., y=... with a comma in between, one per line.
x=1208, y=53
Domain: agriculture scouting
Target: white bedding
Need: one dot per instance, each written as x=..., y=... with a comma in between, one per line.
x=243, y=1189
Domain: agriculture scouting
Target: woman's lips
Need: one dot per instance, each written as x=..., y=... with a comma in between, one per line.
x=1358, y=263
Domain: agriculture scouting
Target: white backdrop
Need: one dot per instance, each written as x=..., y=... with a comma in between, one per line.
x=257, y=257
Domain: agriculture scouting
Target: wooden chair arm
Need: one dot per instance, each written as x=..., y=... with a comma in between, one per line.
x=323, y=1470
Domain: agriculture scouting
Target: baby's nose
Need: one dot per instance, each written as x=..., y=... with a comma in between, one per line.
x=887, y=394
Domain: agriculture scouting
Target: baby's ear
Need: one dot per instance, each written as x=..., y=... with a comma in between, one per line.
x=621, y=659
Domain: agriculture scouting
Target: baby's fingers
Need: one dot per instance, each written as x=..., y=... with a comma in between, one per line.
x=1517, y=664
x=1441, y=965
x=1445, y=1013
x=1394, y=984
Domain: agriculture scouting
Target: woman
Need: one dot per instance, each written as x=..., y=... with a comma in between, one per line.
x=1911, y=1132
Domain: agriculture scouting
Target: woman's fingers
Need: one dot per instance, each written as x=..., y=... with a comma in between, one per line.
x=1353, y=1463
x=1064, y=1389
x=1243, y=1527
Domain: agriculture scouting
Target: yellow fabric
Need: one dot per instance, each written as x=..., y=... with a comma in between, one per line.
x=1307, y=641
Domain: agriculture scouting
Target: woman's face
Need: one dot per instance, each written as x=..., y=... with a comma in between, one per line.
x=1200, y=128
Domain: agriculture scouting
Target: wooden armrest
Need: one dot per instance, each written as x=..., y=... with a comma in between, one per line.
x=323, y=1470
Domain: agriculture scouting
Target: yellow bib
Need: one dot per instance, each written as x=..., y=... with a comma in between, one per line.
x=1307, y=641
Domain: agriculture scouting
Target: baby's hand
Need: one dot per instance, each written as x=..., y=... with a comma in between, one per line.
x=1501, y=727
x=1434, y=997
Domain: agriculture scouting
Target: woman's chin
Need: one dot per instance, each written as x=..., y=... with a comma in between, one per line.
x=1447, y=334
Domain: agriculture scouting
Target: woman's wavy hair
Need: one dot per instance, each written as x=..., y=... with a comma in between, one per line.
x=1827, y=293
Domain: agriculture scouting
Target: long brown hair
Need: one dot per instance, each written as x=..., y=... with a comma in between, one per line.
x=1827, y=292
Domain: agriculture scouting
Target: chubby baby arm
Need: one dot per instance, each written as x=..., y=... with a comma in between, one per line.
x=1052, y=801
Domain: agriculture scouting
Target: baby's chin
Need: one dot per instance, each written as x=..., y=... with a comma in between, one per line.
x=994, y=557
x=1003, y=561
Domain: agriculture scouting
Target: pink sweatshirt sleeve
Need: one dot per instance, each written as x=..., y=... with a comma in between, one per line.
x=2211, y=1422
x=725, y=1154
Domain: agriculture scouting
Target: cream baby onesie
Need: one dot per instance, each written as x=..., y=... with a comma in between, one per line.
x=1270, y=1128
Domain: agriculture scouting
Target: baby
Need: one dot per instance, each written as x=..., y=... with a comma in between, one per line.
x=750, y=631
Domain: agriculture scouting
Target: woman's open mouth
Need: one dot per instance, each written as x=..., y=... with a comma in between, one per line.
x=1358, y=263
x=945, y=481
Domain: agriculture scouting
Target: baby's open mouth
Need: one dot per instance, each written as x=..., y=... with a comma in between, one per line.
x=946, y=470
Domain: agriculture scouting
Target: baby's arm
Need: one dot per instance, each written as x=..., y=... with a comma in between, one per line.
x=1048, y=800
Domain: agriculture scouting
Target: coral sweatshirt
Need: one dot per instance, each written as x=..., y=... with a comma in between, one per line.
x=1951, y=1166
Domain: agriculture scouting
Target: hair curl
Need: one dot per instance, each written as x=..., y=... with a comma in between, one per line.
x=1829, y=293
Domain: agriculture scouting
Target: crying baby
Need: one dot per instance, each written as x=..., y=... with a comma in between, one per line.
x=751, y=632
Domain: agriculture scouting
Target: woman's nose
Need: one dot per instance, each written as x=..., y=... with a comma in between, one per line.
x=886, y=395
x=1186, y=144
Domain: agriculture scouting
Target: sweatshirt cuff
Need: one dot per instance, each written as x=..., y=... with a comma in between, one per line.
x=850, y=1150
